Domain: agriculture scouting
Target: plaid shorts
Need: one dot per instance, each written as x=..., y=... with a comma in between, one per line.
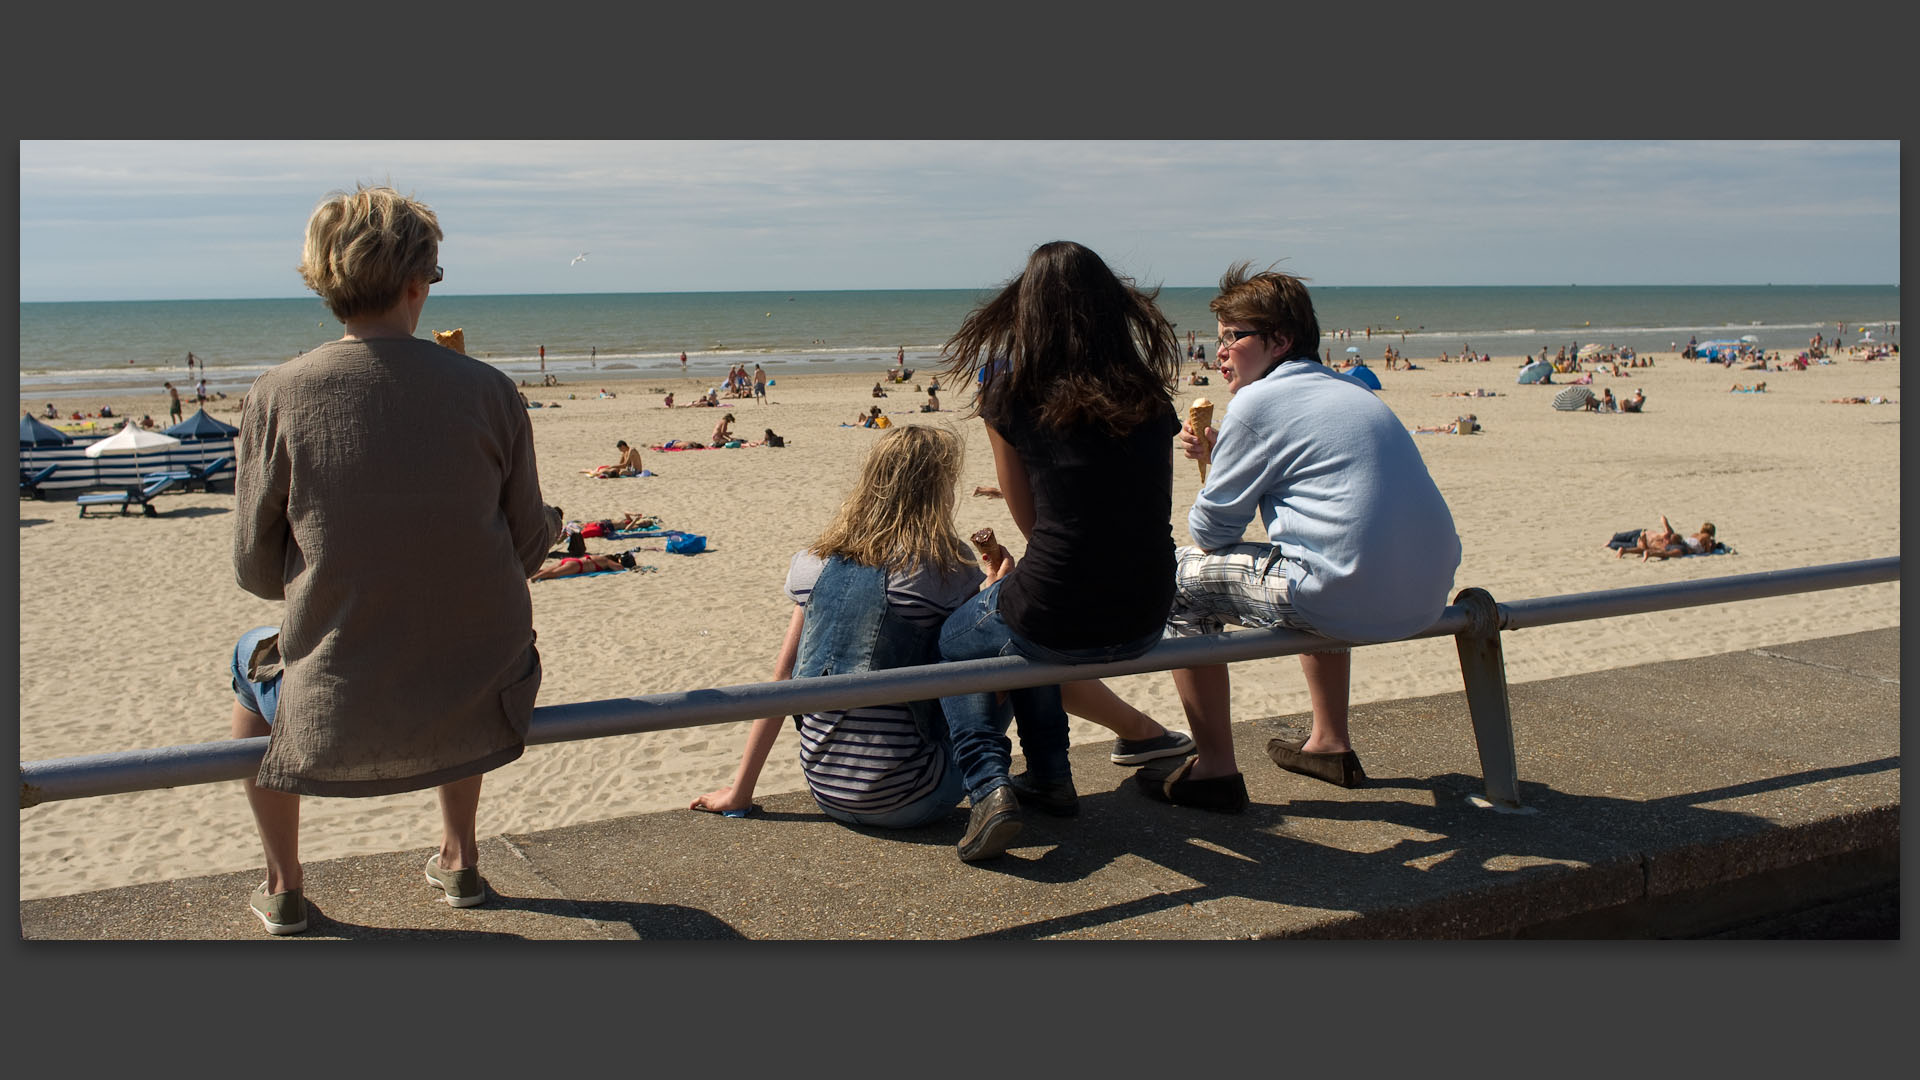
x=1242, y=584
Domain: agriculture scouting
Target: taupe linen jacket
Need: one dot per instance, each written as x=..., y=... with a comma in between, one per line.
x=387, y=491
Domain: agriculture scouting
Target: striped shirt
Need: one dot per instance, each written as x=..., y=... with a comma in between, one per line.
x=872, y=760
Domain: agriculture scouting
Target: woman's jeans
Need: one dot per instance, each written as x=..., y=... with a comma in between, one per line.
x=980, y=745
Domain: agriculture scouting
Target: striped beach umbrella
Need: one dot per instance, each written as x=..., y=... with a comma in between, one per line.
x=1572, y=399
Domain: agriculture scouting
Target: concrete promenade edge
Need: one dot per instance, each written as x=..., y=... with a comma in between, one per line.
x=1685, y=798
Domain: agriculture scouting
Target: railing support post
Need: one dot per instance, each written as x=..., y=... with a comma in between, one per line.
x=1484, y=669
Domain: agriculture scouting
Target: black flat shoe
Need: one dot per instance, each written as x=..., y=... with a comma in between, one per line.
x=1225, y=794
x=1056, y=797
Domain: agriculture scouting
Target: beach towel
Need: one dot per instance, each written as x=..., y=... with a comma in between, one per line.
x=596, y=573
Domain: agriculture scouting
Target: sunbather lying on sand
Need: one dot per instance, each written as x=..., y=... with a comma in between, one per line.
x=1663, y=542
x=608, y=526
x=584, y=564
x=1469, y=421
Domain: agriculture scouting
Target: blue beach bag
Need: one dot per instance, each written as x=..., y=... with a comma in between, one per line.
x=689, y=544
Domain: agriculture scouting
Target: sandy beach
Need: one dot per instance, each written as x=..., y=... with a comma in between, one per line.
x=126, y=624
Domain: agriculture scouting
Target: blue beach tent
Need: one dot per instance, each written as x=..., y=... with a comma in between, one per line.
x=35, y=433
x=202, y=426
x=1365, y=374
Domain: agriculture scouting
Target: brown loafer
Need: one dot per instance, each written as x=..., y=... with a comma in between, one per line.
x=1342, y=769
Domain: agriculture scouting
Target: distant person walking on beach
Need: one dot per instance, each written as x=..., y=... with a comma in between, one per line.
x=174, y=409
x=386, y=674
x=683, y=362
x=759, y=384
x=1078, y=418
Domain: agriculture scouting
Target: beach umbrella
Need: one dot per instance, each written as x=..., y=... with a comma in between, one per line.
x=1589, y=350
x=131, y=439
x=1749, y=337
x=1353, y=348
x=204, y=431
x=1572, y=399
x=202, y=426
x=35, y=433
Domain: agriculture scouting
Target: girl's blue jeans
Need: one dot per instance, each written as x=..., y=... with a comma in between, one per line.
x=981, y=748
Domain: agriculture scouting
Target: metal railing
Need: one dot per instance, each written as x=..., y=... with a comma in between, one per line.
x=1474, y=620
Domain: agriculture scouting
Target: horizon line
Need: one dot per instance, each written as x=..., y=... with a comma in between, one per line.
x=990, y=288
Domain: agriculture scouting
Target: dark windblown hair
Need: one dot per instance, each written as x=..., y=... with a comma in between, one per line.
x=1069, y=343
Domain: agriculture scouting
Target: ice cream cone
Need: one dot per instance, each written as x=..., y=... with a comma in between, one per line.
x=1199, y=417
x=988, y=547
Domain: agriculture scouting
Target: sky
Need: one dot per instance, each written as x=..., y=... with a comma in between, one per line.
x=175, y=220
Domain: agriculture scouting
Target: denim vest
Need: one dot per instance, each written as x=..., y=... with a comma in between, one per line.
x=850, y=627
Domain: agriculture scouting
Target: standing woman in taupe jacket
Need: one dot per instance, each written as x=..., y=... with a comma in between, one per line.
x=385, y=675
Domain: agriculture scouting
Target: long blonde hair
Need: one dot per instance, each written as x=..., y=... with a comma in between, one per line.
x=899, y=515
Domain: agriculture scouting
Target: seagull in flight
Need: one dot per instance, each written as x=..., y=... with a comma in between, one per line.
x=579, y=257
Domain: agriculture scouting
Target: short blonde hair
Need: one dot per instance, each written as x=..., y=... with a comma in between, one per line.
x=363, y=248
x=900, y=514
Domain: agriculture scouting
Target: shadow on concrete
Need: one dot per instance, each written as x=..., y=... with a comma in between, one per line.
x=656, y=922
x=1268, y=855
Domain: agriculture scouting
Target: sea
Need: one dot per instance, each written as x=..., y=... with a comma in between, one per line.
x=127, y=347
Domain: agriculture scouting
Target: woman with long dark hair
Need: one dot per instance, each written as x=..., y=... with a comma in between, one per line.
x=1077, y=396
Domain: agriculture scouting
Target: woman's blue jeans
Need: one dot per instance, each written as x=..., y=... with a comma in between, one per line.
x=980, y=745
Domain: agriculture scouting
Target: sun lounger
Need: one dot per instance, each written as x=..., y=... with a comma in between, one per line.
x=192, y=475
x=30, y=485
x=127, y=499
